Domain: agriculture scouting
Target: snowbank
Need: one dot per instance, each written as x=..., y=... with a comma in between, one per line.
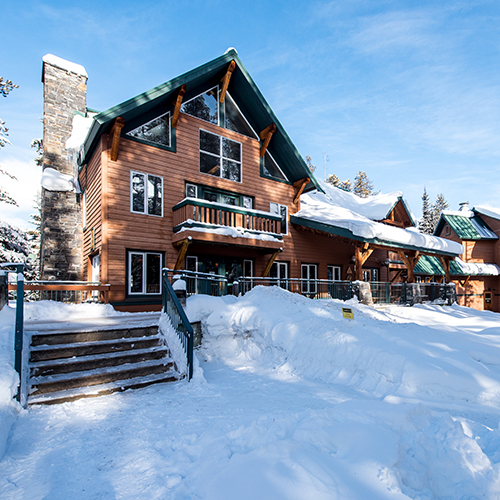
x=46, y=310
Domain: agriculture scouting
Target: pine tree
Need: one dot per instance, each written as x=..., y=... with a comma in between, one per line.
x=309, y=164
x=437, y=208
x=5, y=88
x=426, y=224
x=335, y=181
x=363, y=186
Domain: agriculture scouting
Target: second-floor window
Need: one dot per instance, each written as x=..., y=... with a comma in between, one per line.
x=220, y=156
x=282, y=210
x=146, y=194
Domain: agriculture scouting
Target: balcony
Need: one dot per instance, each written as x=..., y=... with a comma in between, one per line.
x=219, y=223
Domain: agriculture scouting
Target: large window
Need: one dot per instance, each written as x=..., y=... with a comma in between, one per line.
x=144, y=273
x=282, y=210
x=220, y=156
x=218, y=196
x=370, y=274
x=309, y=277
x=156, y=131
x=146, y=194
x=235, y=120
x=204, y=106
x=271, y=169
x=334, y=273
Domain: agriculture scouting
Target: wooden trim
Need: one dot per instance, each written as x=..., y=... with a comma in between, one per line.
x=266, y=136
x=270, y=263
x=299, y=186
x=184, y=244
x=225, y=80
x=464, y=282
x=178, y=102
x=391, y=222
x=396, y=276
x=104, y=259
x=115, y=134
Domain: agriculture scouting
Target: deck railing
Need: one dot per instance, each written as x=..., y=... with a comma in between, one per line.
x=192, y=212
x=180, y=323
x=201, y=283
x=73, y=292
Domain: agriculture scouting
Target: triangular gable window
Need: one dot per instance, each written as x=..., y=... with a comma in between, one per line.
x=234, y=119
x=204, y=106
x=156, y=131
x=270, y=168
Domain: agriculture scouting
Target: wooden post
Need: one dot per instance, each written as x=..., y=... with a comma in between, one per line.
x=115, y=133
x=226, y=79
x=182, y=252
x=265, y=136
x=299, y=186
x=177, y=108
x=445, y=262
x=361, y=255
x=410, y=262
x=270, y=263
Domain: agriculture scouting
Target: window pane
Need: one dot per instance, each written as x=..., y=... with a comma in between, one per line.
x=138, y=192
x=204, y=106
x=136, y=270
x=284, y=217
x=231, y=149
x=154, y=195
x=153, y=273
x=235, y=120
x=210, y=197
x=247, y=202
x=209, y=164
x=209, y=142
x=231, y=170
x=157, y=131
x=228, y=200
x=191, y=191
x=271, y=169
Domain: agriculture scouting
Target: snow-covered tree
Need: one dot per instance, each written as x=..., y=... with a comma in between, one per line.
x=309, y=164
x=5, y=87
x=362, y=186
x=426, y=223
x=335, y=181
x=437, y=208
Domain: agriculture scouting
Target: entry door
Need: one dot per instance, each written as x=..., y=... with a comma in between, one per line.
x=488, y=301
x=95, y=275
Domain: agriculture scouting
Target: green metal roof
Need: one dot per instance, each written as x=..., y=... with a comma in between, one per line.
x=243, y=91
x=466, y=228
x=430, y=265
x=339, y=231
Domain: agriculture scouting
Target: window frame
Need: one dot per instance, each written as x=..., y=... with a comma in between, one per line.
x=220, y=156
x=217, y=101
x=144, y=254
x=279, y=205
x=334, y=268
x=233, y=103
x=266, y=176
x=306, y=285
x=171, y=131
x=146, y=197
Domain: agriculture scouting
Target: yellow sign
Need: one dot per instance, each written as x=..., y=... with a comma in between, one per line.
x=347, y=313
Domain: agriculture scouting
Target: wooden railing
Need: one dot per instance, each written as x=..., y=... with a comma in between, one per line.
x=71, y=291
x=192, y=212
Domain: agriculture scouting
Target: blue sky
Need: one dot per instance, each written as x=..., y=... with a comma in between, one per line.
x=408, y=91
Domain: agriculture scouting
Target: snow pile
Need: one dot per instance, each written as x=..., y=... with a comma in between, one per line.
x=46, y=310
x=60, y=63
x=174, y=344
x=9, y=379
x=52, y=180
x=79, y=131
x=329, y=210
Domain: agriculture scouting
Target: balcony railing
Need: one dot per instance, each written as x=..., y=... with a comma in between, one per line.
x=194, y=213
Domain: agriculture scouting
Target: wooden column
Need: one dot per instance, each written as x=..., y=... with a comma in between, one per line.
x=184, y=244
x=270, y=263
x=445, y=262
x=361, y=253
x=410, y=259
x=115, y=134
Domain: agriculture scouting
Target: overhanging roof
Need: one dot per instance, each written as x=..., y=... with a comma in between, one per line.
x=346, y=233
x=465, y=227
x=242, y=89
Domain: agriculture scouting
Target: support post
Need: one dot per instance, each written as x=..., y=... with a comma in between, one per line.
x=299, y=186
x=361, y=256
x=182, y=252
x=445, y=262
x=177, y=108
x=116, y=132
x=270, y=263
x=266, y=136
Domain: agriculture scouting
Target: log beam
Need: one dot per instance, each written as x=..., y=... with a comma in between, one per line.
x=115, y=134
x=361, y=255
x=396, y=276
x=299, y=186
x=266, y=136
x=410, y=261
x=445, y=262
x=270, y=263
x=184, y=244
x=177, y=106
x=225, y=80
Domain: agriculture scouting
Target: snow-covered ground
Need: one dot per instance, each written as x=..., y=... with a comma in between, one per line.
x=291, y=401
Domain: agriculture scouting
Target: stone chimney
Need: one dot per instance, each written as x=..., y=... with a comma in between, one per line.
x=64, y=93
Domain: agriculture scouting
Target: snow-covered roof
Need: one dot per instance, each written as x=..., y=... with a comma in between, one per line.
x=79, y=131
x=488, y=211
x=64, y=64
x=376, y=207
x=476, y=268
x=330, y=211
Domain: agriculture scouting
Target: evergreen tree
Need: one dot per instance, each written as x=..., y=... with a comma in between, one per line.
x=437, y=208
x=426, y=223
x=363, y=186
x=5, y=88
x=335, y=181
x=309, y=164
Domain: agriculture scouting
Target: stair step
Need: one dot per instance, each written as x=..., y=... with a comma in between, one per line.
x=45, y=353
x=102, y=389
x=53, y=383
x=88, y=363
x=91, y=336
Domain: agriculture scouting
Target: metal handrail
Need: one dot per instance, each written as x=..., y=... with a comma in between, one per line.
x=180, y=323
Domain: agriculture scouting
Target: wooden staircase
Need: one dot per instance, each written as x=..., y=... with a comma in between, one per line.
x=68, y=365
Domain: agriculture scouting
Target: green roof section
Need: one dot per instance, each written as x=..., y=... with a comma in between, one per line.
x=244, y=92
x=466, y=228
x=430, y=265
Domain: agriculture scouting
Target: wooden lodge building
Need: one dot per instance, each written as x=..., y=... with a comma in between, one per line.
x=199, y=174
